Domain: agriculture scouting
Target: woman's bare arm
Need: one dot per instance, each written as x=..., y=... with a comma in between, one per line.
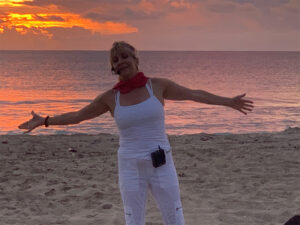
x=97, y=107
x=174, y=91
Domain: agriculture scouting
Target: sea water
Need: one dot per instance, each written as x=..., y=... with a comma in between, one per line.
x=56, y=82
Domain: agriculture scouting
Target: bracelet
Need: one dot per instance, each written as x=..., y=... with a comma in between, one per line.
x=46, y=121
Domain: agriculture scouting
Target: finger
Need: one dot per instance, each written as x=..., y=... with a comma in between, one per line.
x=28, y=131
x=248, y=109
x=34, y=114
x=241, y=96
x=248, y=101
x=248, y=105
x=242, y=111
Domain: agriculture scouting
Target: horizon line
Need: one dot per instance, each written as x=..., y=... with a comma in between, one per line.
x=146, y=50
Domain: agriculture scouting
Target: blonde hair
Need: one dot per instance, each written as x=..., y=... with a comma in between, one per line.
x=121, y=45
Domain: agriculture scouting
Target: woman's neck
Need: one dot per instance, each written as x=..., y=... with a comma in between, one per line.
x=127, y=76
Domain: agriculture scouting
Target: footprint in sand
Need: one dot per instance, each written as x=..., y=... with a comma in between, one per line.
x=107, y=206
x=51, y=192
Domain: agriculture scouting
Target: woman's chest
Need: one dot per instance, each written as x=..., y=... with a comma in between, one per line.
x=150, y=111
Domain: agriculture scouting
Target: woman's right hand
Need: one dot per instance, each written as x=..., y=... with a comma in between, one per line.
x=36, y=121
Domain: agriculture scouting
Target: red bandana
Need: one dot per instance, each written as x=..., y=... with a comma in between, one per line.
x=125, y=86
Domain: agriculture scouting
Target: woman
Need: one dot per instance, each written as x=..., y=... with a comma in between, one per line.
x=144, y=156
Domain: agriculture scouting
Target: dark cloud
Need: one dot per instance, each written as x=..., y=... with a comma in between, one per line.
x=101, y=17
x=39, y=2
x=63, y=39
x=68, y=5
x=186, y=22
x=178, y=8
x=115, y=10
x=188, y=1
x=222, y=8
x=230, y=6
x=76, y=2
x=242, y=1
x=141, y=15
x=60, y=33
x=127, y=13
x=262, y=3
x=48, y=18
x=79, y=5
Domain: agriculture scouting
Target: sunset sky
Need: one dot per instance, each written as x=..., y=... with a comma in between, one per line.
x=236, y=25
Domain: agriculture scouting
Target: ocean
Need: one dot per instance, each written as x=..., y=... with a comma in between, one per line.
x=55, y=82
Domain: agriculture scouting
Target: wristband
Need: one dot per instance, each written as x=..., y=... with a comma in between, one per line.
x=46, y=121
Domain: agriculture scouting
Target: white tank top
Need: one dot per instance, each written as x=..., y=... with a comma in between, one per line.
x=141, y=127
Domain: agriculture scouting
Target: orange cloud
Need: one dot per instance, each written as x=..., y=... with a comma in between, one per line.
x=181, y=4
x=41, y=21
x=13, y=2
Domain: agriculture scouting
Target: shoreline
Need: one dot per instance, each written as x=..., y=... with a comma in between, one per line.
x=177, y=135
x=238, y=179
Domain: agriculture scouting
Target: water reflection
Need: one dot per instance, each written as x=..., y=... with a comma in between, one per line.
x=52, y=83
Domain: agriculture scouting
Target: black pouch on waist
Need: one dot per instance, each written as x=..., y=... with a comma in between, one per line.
x=158, y=157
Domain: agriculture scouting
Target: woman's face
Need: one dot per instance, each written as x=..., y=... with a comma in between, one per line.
x=124, y=63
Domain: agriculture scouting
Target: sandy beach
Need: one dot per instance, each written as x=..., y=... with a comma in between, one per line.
x=225, y=179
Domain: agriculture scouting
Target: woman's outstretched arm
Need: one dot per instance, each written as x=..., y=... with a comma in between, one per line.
x=97, y=107
x=174, y=91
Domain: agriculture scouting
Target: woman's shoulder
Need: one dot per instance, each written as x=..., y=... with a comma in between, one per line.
x=160, y=82
x=156, y=79
x=106, y=97
x=109, y=94
x=159, y=79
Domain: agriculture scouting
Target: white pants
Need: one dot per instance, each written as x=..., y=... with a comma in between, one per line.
x=136, y=176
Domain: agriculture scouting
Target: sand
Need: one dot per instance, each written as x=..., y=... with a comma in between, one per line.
x=225, y=179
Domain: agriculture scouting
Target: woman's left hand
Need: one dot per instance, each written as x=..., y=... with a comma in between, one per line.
x=241, y=104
